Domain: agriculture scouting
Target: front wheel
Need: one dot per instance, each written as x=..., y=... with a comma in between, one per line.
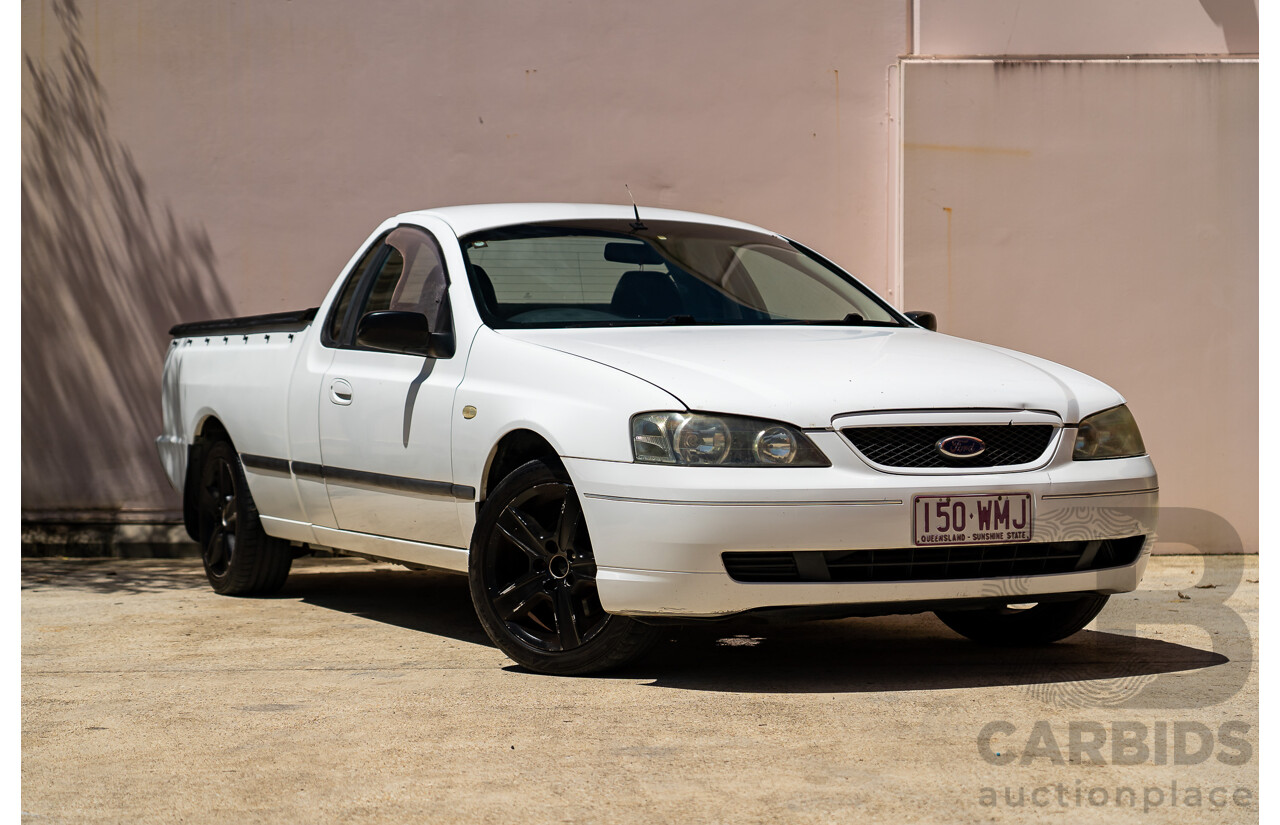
x=1039, y=624
x=533, y=579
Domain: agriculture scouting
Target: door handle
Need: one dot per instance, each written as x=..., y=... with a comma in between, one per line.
x=340, y=392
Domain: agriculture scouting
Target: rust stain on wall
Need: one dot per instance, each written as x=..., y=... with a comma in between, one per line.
x=947, y=209
x=837, y=74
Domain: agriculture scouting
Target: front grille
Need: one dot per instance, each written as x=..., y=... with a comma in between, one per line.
x=982, y=561
x=915, y=447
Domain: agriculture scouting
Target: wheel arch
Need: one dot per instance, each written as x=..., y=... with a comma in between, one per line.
x=515, y=448
x=206, y=431
x=210, y=427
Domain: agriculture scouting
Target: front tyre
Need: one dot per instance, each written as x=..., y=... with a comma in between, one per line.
x=239, y=558
x=1040, y=624
x=533, y=579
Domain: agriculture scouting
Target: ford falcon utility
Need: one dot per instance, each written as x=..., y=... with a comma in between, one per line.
x=610, y=418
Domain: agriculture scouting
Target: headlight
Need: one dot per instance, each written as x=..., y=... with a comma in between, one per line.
x=1109, y=434
x=697, y=439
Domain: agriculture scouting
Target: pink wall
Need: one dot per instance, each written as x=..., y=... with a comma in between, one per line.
x=196, y=159
x=1121, y=28
x=284, y=132
x=1104, y=214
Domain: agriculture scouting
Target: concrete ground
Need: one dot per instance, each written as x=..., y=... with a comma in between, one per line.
x=367, y=693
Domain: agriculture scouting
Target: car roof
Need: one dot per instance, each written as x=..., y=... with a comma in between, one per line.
x=476, y=217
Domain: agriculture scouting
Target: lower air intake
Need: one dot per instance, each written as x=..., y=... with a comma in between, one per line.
x=932, y=563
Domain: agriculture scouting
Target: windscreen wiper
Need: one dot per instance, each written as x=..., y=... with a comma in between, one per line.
x=853, y=319
x=679, y=321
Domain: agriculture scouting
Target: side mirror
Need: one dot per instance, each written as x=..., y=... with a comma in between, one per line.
x=397, y=331
x=925, y=319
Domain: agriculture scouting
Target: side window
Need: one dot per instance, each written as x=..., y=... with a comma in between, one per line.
x=384, y=285
x=411, y=278
x=338, y=313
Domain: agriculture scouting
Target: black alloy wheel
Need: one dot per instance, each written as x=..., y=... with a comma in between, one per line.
x=240, y=559
x=542, y=579
x=533, y=579
x=219, y=514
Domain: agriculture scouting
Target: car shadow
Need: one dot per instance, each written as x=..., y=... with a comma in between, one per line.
x=881, y=654
x=425, y=601
x=907, y=653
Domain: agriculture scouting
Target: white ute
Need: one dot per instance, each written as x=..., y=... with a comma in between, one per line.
x=611, y=418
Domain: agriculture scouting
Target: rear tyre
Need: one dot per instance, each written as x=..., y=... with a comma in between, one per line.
x=239, y=558
x=1040, y=624
x=533, y=579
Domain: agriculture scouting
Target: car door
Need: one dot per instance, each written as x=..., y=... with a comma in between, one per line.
x=384, y=417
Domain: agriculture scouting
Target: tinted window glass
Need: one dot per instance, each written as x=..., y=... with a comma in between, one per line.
x=773, y=274
x=421, y=287
x=613, y=273
x=412, y=278
x=384, y=286
x=566, y=269
x=338, y=314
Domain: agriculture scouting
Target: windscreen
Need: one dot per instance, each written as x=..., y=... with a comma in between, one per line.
x=620, y=273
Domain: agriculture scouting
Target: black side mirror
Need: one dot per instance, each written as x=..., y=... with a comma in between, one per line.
x=925, y=319
x=398, y=331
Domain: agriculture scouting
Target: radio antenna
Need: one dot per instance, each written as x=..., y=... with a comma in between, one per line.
x=638, y=223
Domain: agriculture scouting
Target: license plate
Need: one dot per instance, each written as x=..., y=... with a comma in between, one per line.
x=987, y=518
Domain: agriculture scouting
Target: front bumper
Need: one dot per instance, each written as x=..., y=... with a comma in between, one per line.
x=658, y=532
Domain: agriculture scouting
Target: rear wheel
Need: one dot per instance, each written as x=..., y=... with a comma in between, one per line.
x=239, y=558
x=1039, y=624
x=533, y=579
